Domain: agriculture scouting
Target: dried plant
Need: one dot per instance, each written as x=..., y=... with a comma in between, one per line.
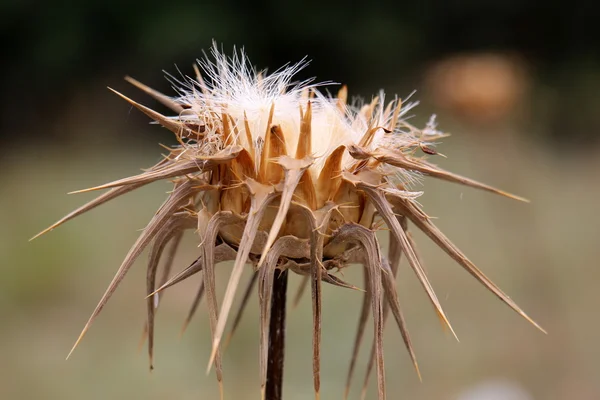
x=276, y=174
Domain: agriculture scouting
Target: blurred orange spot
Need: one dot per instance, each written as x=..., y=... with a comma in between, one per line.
x=480, y=88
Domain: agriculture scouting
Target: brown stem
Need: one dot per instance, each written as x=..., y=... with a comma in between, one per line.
x=273, y=390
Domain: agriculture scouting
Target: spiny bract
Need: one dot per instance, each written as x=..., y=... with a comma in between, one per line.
x=276, y=174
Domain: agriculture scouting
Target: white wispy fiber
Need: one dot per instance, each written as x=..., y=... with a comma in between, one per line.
x=233, y=86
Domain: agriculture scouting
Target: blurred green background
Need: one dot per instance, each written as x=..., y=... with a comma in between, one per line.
x=517, y=83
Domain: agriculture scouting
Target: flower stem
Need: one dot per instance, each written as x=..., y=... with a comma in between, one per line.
x=273, y=390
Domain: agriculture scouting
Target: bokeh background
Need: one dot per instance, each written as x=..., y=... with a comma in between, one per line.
x=518, y=85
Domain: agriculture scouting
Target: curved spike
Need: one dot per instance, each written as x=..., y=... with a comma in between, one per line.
x=261, y=196
x=155, y=94
x=385, y=211
x=176, y=241
x=400, y=160
x=152, y=302
x=415, y=248
x=177, y=198
x=154, y=265
x=318, y=225
x=391, y=294
x=394, y=256
x=171, y=124
x=199, y=164
x=223, y=252
x=335, y=281
x=372, y=260
x=172, y=230
x=208, y=239
x=326, y=277
x=182, y=275
x=103, y=198
x=174, y=125
x=425, y=225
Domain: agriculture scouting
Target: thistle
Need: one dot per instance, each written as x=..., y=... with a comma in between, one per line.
x=278, y=175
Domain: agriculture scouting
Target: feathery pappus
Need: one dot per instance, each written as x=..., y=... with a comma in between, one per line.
x=278, y=175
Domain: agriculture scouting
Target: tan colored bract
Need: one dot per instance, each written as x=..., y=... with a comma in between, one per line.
x=281, y=176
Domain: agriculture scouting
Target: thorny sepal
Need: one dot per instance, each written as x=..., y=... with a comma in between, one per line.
x=393, y=260
x=103, y=198
x=165, y=100
x=384, y=209
x=391, y=295
x=417, y=217
x=260, y=195
x=178, y=128
x=173, y=229
x=304, y=270
x=197, y=164
x=223, y=252
x=367, y=239
x=179, y=196
x=207, y=240
x=400, y=160
x=318, y=223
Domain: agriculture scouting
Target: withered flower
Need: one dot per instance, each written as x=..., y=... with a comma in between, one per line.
x=276, y=174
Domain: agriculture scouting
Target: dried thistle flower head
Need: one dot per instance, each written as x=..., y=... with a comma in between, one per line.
x=278, y=175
